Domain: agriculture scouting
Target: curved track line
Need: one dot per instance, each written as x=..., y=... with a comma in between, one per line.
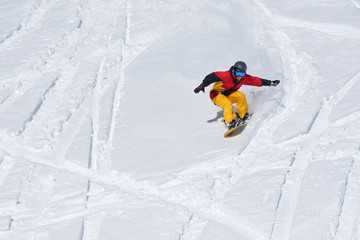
x=291, y=188
x=356, y=3
x=293, y=64
x=99, y=159
x=34, y=15
x=350, y=206
x=339, y=30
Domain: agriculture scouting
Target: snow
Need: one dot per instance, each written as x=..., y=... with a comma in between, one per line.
x=102, y=136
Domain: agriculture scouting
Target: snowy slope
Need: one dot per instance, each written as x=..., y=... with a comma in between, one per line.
x=102, y=137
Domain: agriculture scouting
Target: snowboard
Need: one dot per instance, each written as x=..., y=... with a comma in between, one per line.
x=235, y=131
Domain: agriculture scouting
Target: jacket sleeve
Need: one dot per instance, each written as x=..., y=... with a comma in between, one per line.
x=253, y=81
x=256, y=81
x=211, y=78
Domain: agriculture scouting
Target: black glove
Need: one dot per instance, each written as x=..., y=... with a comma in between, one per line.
x=201, y=87
x=275, y=82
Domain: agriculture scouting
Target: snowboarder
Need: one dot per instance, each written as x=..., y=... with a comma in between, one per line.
x=225, y=92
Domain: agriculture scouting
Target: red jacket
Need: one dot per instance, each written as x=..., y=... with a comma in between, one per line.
x=226, y=84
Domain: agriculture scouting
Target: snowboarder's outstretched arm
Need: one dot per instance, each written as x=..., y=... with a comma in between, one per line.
x=209, y=79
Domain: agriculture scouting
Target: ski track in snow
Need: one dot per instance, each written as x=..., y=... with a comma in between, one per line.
x=35, y=12
x=69, y=47
x=99, y=157
x=305, y=143
x=330, y=29
x=350, y=206
x=140, y=189
x=67, y=72
x=62, y=59
x=356, y=3
x=47, y=65
x=214, y=182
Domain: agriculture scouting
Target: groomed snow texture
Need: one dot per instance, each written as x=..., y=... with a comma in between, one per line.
x=102, y=136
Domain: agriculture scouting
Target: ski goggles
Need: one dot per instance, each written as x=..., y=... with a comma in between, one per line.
x=238, y=73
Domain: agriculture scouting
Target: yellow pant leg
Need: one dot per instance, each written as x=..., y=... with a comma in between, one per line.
x=227, y=105
x=241, y=104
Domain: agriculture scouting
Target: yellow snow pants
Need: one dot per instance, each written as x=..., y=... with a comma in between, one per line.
x=226, y=103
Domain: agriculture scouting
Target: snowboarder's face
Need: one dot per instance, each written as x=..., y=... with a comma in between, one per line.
x=238, y=75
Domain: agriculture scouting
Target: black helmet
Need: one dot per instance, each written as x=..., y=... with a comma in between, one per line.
x=240, y=66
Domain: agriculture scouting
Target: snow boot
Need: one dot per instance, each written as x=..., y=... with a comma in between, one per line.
x=234, y=123
x=246, y=116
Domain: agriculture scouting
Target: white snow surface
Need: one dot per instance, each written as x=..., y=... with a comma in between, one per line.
x=102, y=136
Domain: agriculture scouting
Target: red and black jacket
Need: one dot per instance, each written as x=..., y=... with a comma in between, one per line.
x=225, y=84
